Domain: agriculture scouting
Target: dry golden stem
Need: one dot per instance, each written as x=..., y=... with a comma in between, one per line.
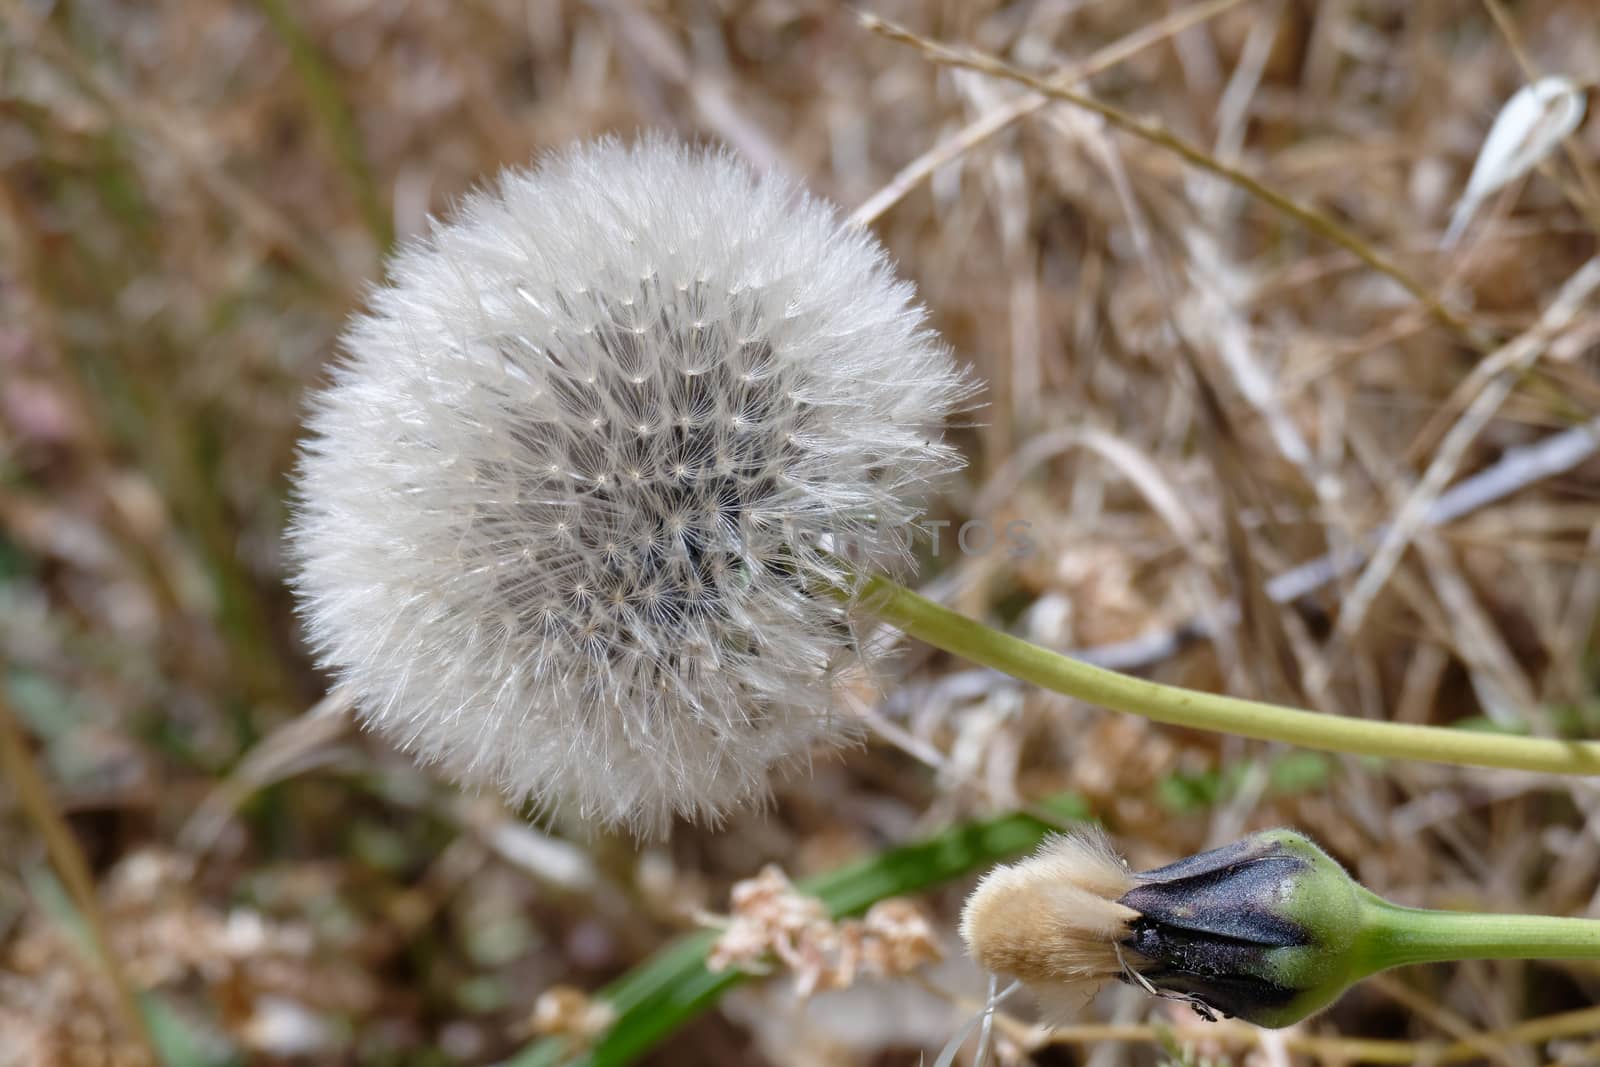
x=34, y=795
x=1343, y=1050
x=1155, y=134
x=176, y=136
x=330, y=110
x=1426, y=1009
x=1479, y=397
x=987, y=125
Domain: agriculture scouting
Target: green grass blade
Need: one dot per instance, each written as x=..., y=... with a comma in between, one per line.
x=673, y=986
x=330, y=109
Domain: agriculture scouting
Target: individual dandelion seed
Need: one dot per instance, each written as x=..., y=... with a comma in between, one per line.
x=567, y=515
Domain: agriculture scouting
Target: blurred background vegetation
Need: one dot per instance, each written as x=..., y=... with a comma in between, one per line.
x=1189, y=394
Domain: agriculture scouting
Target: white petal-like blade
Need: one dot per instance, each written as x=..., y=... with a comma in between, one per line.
x=1531, y=124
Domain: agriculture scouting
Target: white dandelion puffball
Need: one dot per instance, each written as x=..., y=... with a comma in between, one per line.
x=566, y=515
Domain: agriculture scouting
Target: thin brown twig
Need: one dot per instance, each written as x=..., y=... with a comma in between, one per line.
x=288, y=750
x=987, y=125
x=73, y=868
x=1421, y=1007
x=1514, y=471
x=1355, y=1050
x=1490, y=383
x=1153, y=133
x=654, y=44
x=328, y=108
x=269, y=225
x=19, y=228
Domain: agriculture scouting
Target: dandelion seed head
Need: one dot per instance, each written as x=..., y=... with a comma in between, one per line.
x=562, y=516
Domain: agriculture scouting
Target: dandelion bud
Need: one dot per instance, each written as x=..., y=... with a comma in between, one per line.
x=1268, y=929
x=1263, y=929
x=568, y=512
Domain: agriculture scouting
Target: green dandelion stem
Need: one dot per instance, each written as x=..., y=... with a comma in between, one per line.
x=1396, y=936
x=955, y=633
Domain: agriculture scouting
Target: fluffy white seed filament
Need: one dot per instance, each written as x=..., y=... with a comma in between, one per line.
x=559, y=513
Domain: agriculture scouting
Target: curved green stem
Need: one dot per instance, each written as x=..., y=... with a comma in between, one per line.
x=957, y=634
x=1396, y=936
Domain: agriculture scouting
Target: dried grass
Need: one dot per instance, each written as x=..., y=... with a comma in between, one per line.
x=1222, y=342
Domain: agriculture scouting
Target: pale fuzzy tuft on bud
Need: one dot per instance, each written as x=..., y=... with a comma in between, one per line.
x=562, y=515
x=1053, y=920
